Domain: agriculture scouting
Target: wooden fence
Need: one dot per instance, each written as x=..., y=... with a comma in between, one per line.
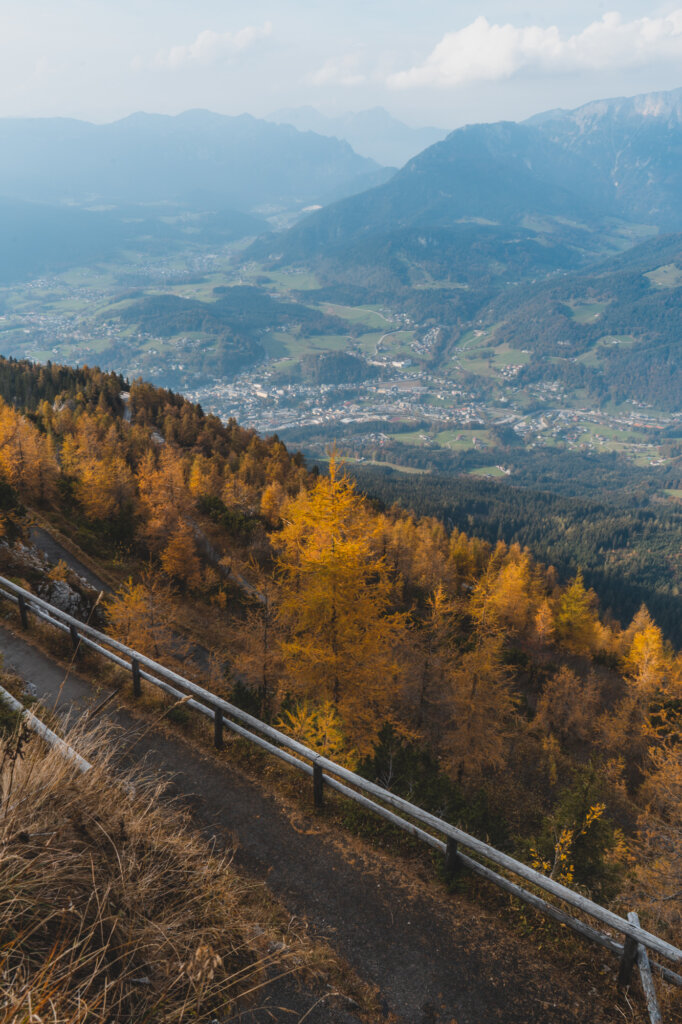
x=452, y=842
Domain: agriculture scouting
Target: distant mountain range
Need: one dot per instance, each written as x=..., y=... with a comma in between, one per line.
x=73, y=193
x=372, y=133
x=557, y=190
x=196, y=160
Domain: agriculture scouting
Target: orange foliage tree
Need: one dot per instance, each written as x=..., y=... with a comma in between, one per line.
x=335, y=606
x=477, y=705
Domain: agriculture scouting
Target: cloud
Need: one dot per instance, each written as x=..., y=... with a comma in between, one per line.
x=210, y=47
x=485, y=52
x=338, y=71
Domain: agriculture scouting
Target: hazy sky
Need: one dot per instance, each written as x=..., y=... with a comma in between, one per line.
x=433, y=62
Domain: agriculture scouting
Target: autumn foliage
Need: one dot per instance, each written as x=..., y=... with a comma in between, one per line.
x=507, y=698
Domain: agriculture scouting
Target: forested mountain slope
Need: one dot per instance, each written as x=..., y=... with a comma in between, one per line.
x=612, y=329
x=463, y=673
x=518, y=188
x=74, y=193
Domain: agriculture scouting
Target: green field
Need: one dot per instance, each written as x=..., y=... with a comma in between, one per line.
x=492, y=361
x=669, y=276
x=586, y=312
x=476, y=337
x=283, y=280
x=456, y=440
x=358, y=315
x=487, y=471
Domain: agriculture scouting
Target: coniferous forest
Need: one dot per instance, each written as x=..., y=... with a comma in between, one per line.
x=453, y=667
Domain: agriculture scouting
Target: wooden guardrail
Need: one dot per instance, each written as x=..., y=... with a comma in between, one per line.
x=37, y=726
x=448, y=839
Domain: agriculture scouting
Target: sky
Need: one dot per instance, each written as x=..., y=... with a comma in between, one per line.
x=435, y=62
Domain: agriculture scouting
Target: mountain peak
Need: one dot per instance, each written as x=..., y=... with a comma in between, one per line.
x=658, y=106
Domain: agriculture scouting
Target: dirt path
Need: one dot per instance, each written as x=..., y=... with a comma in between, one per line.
x=437, y=959
x=54, y=552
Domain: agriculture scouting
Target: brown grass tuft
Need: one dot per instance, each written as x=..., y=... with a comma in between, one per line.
x=111, y=908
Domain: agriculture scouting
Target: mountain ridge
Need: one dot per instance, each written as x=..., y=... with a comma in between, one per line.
x=197, y=159
x=589, y=180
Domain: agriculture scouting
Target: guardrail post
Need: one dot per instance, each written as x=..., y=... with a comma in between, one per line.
x=23, y=612
x=75, y=639
x=453, y=864
x=137, y=687
x=318, y=787
x=646, y=977
x=218, y=727
x=627, y=961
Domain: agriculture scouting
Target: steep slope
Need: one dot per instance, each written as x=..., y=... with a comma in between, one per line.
x=563, y=178
x=636, y=145
x=197, y=159
x=518, y=187
x=461, y=670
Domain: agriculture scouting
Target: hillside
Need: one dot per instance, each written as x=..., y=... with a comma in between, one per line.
x=635, y=143
x=575, y=183
x=114, y=905
x=612, y=330
x=42, y=239
x=506, y=177
x=75, y=194
x=486, y=687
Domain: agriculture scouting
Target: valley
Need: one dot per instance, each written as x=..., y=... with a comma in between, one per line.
x=404, y=394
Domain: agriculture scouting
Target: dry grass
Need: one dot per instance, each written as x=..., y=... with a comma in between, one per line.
x=111, y=908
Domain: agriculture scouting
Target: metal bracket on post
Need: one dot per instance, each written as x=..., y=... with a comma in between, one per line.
x=218, y=727
x=23, y=612
x=137, y=687
x=453, y=864
x=318, y=787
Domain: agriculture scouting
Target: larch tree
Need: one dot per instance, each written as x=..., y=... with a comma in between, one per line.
x=27, y=459
x=568, y=706
x=478, y=705
x=141, y=615
x=645, y=663
x=256, y=643
x=105, y=487
x=164, y=496
x=335, y=606
x=658, y=875
x=179, y=557
x=576, y=619
x=431, y=644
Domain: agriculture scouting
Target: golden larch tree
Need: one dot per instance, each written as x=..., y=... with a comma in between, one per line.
x=335, y=606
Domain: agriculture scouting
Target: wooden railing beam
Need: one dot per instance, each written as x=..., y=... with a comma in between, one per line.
x=143, y=667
